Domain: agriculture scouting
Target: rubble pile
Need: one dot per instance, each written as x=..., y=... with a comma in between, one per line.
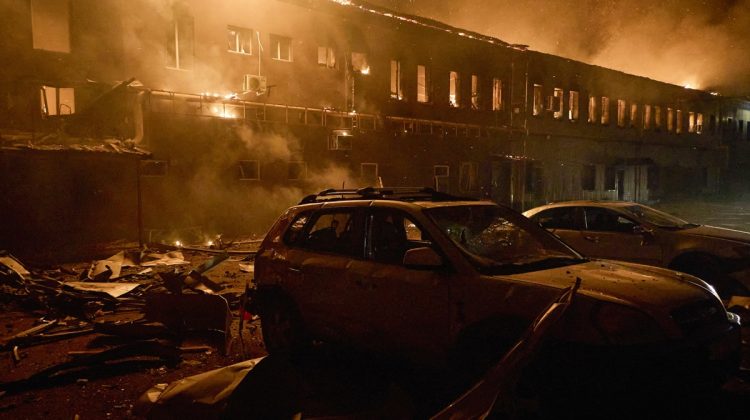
x=147, y=302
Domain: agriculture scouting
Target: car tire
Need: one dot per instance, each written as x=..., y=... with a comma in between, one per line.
x=708, y=269
x=281, y=326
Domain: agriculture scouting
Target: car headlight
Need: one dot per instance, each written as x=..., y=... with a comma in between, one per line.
x=624, y=325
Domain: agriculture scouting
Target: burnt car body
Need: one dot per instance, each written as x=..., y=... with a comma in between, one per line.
x=442, y=282
x=633, y=232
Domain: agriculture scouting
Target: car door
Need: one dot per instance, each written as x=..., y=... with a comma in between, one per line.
x=402, y=309
x=610, y=234
x=565, y=222
x=332, y=239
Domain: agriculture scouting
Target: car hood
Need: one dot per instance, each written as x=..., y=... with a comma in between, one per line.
x=650, y=288
x=718, y=233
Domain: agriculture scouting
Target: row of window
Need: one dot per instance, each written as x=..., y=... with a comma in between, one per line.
x=628, y=114
x=249, y=170
x=424, y=88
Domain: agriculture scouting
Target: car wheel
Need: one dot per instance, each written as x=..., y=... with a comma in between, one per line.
x=281, y=326
x=708, y=269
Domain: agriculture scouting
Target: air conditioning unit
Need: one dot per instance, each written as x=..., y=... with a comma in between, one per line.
x=253, y=83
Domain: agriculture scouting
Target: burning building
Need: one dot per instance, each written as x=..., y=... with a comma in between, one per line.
x=245, y=106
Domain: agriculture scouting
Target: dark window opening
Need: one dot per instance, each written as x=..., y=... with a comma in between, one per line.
x=181, y=42
x=610, y=178
x=249, y=170
x=281, y=48
x=368, y=173
x=588, y=177
x=239, y=40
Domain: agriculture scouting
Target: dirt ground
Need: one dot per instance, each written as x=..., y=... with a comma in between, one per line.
x=112, y=393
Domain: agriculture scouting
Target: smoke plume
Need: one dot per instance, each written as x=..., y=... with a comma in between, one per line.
x=701, y=43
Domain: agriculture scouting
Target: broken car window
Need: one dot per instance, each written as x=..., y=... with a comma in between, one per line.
x=339, y=232
x=657, y=218
x=557, y=218
x=292, y=235
x=605, y=220
x=499, y=241
x=392, y=234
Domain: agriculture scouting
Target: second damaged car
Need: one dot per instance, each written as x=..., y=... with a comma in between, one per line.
x=443, y=281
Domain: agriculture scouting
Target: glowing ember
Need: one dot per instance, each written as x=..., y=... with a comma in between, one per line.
x=178, y=244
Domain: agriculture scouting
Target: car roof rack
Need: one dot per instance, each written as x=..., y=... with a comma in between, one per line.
x=372, y=193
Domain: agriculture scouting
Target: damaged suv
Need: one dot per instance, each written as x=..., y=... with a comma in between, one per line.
x=438, y=280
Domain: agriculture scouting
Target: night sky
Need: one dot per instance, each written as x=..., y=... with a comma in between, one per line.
x=703, y=44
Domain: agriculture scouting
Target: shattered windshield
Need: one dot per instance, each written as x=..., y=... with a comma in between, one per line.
x=499, y=241
x=657, y=218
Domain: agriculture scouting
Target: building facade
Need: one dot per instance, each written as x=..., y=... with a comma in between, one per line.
x=246, y=106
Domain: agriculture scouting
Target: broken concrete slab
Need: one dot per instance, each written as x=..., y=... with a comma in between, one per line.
x=10, y=263
x=203, y=395
x=112, y=289
x=152, y=259
x=192, y=313
x=106, y=269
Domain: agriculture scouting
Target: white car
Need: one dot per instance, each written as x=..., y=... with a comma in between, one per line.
x=633, y=232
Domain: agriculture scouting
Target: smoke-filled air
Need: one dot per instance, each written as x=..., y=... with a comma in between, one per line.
x=702, y=44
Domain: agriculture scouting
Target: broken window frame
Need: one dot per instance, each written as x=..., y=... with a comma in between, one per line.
x=153, y=168
x=588, y=177
x=397, y=91
x=678, y=122
x=281, y=48
x=647, y=117
x=42, y=12
x=365, y=177
x=454, y=89
x=605, y=110
x=592, y=112
x=657, y=118
x=249, y=170
x=699, y=123
x=633, y=115
x=558, y=103
x=476, y=92
x=181, y=42
x=621, y=109
x=691, y=122
x=610, y=178
x=441, y=177
x=359, y=63
x=424, y=84
x=468, y=176
x=53, y=101
x=670, y=120
x=537, y=106
x=326, y=57
x=340, y=140
x=573, y=105
x=240, y=40
x=301, y=174
x=497, y=94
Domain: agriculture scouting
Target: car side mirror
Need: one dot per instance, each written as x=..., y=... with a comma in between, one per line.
x=422, y=257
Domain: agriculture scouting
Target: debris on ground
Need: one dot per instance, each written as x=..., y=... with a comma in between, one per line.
x=141, y=308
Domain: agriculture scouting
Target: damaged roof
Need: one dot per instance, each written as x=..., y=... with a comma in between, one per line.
x=26, y=141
